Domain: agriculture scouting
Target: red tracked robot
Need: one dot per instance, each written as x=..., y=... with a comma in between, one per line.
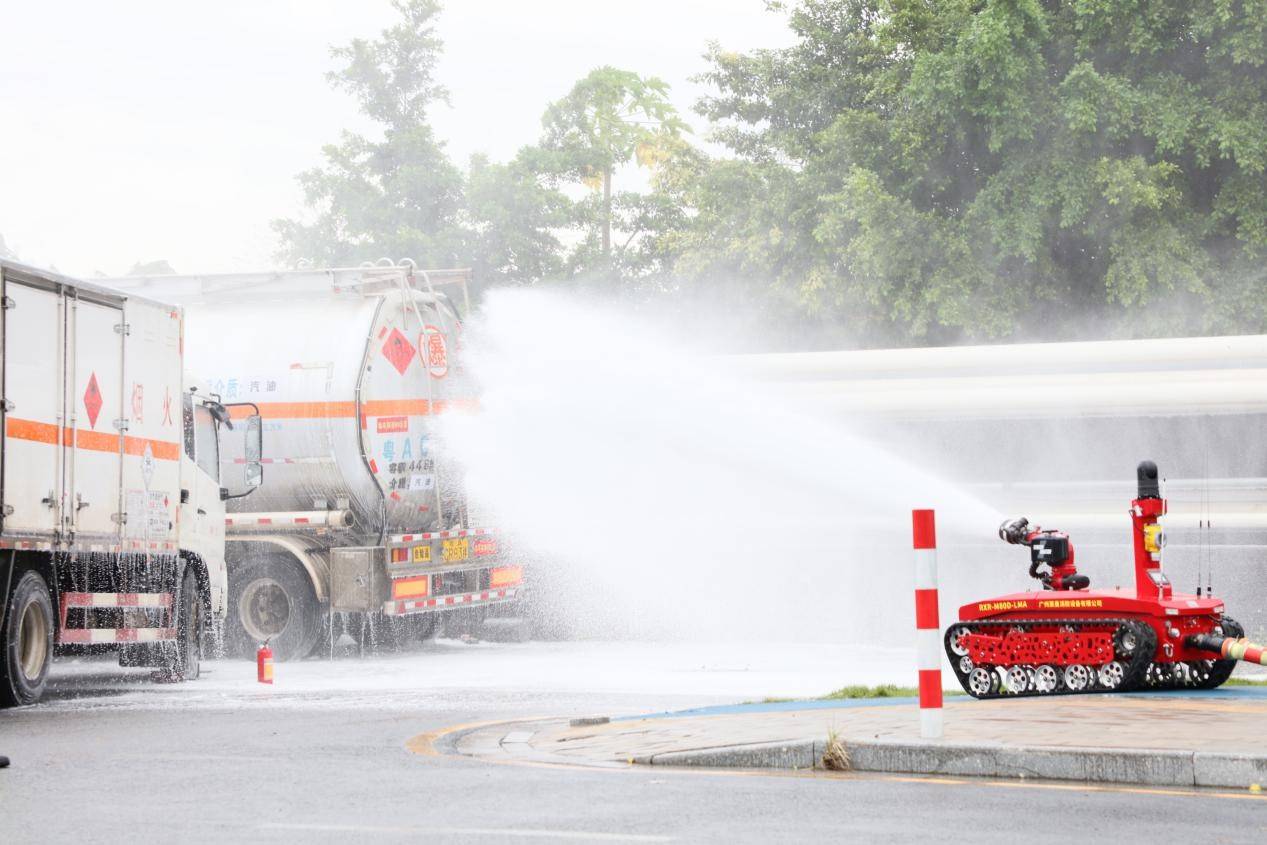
x=1067, y=638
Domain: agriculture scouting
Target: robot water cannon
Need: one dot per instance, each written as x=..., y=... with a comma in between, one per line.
x=1068, y=638
x=1046, y=548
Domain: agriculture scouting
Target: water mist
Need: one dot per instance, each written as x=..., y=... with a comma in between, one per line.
x=658, y=496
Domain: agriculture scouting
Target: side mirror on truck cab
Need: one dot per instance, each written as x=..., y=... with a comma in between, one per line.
x=252, y=453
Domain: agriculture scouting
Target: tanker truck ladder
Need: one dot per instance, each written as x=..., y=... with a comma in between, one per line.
x=406, y=296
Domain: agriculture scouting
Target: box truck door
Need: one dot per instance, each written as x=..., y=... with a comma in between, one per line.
x=33, y=385
x=202, y=517
x=96, y=403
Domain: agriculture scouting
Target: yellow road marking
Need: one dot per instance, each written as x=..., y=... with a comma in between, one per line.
x=425, y=744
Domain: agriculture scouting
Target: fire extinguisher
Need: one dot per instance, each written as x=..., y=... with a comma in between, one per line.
x=264, y=664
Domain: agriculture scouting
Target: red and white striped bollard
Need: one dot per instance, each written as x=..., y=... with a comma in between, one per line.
x=927, y=623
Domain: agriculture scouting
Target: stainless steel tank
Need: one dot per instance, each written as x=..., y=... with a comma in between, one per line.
x=349, y=369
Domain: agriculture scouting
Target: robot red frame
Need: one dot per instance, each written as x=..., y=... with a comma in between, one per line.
x=1068, y=638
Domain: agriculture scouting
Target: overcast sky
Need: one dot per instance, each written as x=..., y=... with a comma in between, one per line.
x=167, y=129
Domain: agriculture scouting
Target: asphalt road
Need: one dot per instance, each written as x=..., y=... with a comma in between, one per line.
x=113, y=759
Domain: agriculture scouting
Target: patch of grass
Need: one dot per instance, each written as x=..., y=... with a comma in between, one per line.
x=882, y=691
x=1245, y=682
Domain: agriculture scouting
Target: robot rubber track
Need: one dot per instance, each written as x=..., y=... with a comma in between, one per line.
x=1134, y=656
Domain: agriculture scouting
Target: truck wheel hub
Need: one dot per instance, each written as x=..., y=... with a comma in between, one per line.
x=32, y=641
x=264, y=609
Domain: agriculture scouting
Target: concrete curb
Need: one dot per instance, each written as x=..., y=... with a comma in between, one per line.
x=1143, y=766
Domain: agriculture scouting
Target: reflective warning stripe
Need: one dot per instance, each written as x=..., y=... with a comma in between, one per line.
x=93, y=441
x=115, y=635
x=26, y=544
x=402, y=607
x=156, y=601
x=396, y=539
x=409, y=588
x=117, y=599
x=927, y=624
x=506, y=576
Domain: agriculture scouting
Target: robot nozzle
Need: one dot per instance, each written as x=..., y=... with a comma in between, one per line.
x=1014, y=530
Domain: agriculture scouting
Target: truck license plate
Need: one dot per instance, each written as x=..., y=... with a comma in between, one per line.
x=422, y=554
x=456, y=550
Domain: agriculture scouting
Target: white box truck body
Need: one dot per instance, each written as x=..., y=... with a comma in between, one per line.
x=111, y=508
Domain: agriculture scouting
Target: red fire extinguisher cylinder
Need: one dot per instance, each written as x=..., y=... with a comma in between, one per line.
x=264, y=664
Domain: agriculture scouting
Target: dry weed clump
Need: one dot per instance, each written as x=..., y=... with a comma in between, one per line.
x=835, y=755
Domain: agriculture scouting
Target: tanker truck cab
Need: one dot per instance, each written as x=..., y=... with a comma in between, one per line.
x=111, y=510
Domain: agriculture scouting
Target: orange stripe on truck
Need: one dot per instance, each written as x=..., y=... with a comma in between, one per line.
x=92, y=441
x=36, y=432
x=297, y=410
x=347, y=410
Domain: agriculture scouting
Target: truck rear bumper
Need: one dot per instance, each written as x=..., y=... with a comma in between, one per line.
x=407, y=607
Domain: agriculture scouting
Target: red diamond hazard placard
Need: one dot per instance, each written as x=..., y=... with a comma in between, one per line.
x=92, y=400
x=399, y=351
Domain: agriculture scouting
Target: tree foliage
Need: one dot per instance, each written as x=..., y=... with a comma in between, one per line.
x=610, y=118
x=994, y=167
x=397, y=196
x=917, y=171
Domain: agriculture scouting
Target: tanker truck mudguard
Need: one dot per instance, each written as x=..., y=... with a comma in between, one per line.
x=360, y=525
x=1070, y=638
x=111, y=491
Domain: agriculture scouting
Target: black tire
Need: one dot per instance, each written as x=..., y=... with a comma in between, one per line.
x=272, y=599
x=28, y=642
x=185, y=661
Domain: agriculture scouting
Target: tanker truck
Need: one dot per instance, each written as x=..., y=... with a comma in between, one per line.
x=111, y=491
x=359, y=526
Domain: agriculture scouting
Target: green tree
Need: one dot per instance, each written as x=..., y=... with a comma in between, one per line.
x=398, y=196
x=514, y=215
x=932, y=171
x=609, y=119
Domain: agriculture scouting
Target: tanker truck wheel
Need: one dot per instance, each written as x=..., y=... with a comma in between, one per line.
x=28, y=642
x=272, y=599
